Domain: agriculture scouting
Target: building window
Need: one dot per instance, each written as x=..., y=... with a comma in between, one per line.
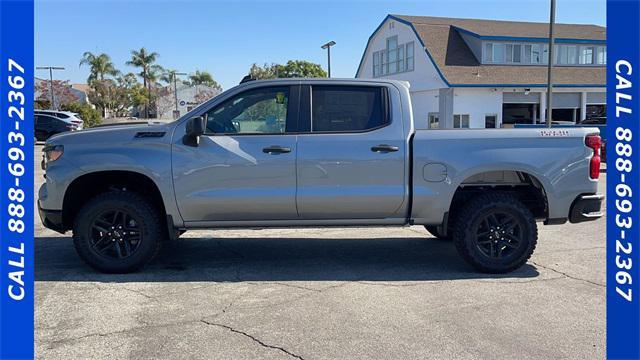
x=488, y=52
x=514, y=53
x=396, y=58
x=434, y=120
x=498, y=53
x=536, y=54
x=586, y=55
x=461, y=121
x=490, y=121
x=545, y=53
x=409, y=50
x=392, y=54
x=602, y=55
x=377, y=63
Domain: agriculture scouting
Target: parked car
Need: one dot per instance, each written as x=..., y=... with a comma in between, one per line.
x=600, y=120
x=46, y=126
x=350, y=157
x=66, y=116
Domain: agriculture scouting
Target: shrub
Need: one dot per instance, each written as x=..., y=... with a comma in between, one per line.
x=91, y=116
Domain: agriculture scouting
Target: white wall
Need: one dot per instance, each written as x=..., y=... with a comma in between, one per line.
x=423, y=103
x=423, y=77
x=478, y=103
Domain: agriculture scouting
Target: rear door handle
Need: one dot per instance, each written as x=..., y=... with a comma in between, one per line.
x=384, y=148
x=274, y=149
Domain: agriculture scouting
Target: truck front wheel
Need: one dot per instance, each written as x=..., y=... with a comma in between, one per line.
x=433, y=230
x=118, y=232
x=495, y=233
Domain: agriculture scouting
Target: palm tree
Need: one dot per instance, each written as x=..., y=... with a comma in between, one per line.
x=145, y=60
x=168, y=76
x=203, y=78
x=100, y=65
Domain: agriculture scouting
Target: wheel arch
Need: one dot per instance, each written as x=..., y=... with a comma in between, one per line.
x=528, y=187
x=88, y=185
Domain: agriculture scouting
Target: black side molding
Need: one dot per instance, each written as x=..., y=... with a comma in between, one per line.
x=150, y=134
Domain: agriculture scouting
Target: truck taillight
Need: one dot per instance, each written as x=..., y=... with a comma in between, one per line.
x=595, y=143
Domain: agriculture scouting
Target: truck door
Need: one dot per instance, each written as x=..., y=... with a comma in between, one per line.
x=244, y=166
x=351, y=154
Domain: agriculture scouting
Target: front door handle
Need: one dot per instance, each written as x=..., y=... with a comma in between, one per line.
x=384, y=148
x=274, y=149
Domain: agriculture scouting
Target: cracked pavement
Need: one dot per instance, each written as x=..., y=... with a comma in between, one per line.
x=366, y=293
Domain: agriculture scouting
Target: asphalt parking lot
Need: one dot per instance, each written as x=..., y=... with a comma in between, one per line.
x=355, y=293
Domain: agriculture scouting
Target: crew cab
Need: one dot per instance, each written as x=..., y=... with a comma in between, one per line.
x=315, y=152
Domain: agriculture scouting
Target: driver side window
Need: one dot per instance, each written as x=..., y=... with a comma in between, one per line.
x=258, y=111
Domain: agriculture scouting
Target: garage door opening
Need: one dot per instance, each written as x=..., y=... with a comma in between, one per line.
x=566, y=115
x=519, y=114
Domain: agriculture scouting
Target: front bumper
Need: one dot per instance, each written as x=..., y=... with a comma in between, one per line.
x=586, y=208
x=51, y=219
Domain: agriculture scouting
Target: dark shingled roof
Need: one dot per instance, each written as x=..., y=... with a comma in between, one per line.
x=514, y=28
x=460, y=67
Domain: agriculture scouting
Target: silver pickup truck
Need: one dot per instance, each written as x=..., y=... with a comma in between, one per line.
x=315, y=152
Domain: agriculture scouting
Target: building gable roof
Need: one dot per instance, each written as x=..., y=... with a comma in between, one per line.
x=514, y=29
x=458, y=67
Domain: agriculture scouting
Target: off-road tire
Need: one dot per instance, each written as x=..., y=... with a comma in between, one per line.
x=152, y=229
x=433, y=230
x=466, y=239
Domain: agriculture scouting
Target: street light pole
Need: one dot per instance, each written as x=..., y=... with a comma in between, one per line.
x=552, y=20
x=50, y=68
x=175, y=87
x=328, y=47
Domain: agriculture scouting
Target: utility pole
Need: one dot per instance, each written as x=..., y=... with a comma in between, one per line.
x=552, y=20
x=175, y=86
x=328, y=47
x=50, y=68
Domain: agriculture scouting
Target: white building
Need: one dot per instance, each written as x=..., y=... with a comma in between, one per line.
x=484, y=73
x=188, y=97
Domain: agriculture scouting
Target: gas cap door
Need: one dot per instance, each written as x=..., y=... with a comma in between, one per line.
x=434, y=172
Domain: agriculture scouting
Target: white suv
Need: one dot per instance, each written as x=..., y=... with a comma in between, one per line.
x=66, y=116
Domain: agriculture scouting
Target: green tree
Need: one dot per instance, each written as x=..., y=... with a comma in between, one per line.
x=145, y=60
x=263, y=72
x=168, y=76
x=302, y=68
x=100, y=66
x=90, y=115
x=292, y=69
x=203, y=78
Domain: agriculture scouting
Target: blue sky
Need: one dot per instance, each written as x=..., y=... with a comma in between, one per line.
x=225, y=38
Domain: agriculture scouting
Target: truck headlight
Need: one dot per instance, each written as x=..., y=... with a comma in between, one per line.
x=51, y=153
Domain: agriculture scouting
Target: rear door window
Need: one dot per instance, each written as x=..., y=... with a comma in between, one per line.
x=348, y=108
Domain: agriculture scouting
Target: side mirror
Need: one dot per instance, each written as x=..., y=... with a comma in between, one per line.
x=194, y=129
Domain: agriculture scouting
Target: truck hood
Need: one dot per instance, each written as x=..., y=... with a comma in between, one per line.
x=114, y=134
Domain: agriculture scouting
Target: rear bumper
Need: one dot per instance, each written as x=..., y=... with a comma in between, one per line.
x=52, y=219
x=586, y=208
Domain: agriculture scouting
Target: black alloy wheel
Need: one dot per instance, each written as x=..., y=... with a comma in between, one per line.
x=119, y=231
x=116, y=234
x=495, y=232
x=498, y=234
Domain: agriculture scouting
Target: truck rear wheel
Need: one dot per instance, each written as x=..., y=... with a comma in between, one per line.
x=118, y=232
x=495, y=233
